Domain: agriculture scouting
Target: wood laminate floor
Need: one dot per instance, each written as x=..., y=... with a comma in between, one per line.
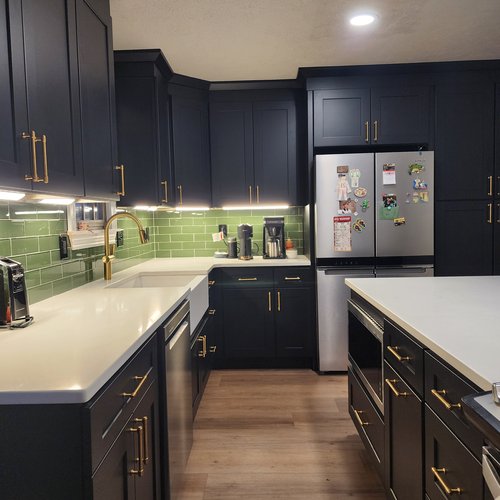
x=277, y=434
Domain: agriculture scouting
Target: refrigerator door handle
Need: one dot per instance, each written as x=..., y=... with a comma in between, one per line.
x=346, y=271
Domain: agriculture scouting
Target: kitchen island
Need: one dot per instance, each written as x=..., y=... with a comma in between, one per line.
x=417, y=346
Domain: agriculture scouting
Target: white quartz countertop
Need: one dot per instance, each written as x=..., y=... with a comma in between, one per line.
x=456, y=317
x=80, y=338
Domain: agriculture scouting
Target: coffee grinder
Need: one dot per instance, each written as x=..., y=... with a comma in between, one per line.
x=245, y=234
x=274, y=238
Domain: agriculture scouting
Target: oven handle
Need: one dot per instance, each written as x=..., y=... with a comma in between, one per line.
x=366, y=320
x=490, y=474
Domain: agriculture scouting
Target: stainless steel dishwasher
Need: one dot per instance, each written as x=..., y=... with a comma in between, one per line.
x=178, y=396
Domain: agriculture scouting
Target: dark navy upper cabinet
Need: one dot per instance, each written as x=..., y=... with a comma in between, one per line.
x=190, y=141
x=143, y=111
x=385, y=115
x=97, y=100
x=231, y=147
x=464, y=140
x=341, y=117
x=254, y=147
x=50, y=52
x=14, y=152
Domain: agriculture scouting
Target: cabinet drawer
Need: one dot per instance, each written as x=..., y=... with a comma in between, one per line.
x=449, y=389
x=247, y=276
x=367, y=421
x=454, y=464
x=111, y=408
x=405, y=356
x=293, y=276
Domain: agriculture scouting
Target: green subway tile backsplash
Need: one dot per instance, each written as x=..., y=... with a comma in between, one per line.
x=30, y=236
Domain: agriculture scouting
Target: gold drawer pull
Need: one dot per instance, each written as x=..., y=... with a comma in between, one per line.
x=247, y=279
x=121, y=168
x=394, y=351
x=367, y=132
x=358, y=414
x=393, y=388
x=165, y=189
x=211, y=312
x=139, y=460
x=295, y=278
x=138, y=388
x=144, y=422
x=439, y=395
x=45, y=161
x=203, y=352
x=375, y=134
x=279, y=301
x=449, y=491
x=490, y=190
x=269, y=303
x=211, y=282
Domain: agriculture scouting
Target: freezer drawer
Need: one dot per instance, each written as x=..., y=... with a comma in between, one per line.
x=404, y=272
x=332, y=316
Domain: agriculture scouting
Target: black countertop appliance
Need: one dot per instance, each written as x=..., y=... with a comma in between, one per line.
x=13, y=292
x=245, y=234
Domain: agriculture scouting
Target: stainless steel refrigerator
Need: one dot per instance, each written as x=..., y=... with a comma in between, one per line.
x=374, y=216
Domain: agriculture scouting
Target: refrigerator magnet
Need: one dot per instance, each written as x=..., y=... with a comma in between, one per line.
x=419, y=184
x=399, y=221
x=424, y=196
x=360, y=192
x=389, y=174
x=408, y=197
x=342, y=238
x=347, y=206
x=342, y=169
x=343, y=188
x=416, y=197
x=359, y=225
x=354, y=174
x=365, y=205
x=389, y=210
x=415, y=168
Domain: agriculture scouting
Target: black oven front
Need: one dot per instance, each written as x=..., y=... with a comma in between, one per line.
x=365, y=350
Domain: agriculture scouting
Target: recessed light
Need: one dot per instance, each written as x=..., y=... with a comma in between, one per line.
x=362, y=20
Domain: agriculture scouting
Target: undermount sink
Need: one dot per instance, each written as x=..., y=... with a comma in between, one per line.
x=154, y=280
x=198, y=297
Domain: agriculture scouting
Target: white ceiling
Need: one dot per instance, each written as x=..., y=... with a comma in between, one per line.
x=270, y=39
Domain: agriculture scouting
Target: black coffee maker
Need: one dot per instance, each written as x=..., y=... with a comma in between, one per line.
x=245, y=234
x=274, y=238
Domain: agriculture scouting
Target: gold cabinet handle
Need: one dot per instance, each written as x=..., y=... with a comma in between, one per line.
x=33, y=138
x=394, y=351
x=490, y=213
x=279, y=301
x=393, y=388
x=375, y=133
x=449, y=491
x=269, y=303
x=367, y=132
x=122, y=174
x=257, y=190
x=144, y=422
x=179, y=187
x=250, y=194
x=211, y=312
x=139, y=386
x=213, y=348
x=45, y=162
x=294, y=278
x=139, y=460
x=358, y=414
x=203, y=352
x=165, y=191
x=247, y=279
x=211, y=283
x=439, y=395
x=490, y=180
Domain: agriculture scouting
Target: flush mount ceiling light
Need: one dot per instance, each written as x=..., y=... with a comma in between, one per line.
x=11, y=196
x=57, y=201
x=362, y=20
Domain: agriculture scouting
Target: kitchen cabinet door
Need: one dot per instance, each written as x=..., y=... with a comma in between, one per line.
x=341, y=117
x=248, y=322
x=275, y=155
x=403, y=413
x=190, y=137
x=400, y=115
x=294, y=312
x=97, y=101
x=14, y=152
x=464, y=141
x=51, y=72
x=231, y=149
x=464, y=238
